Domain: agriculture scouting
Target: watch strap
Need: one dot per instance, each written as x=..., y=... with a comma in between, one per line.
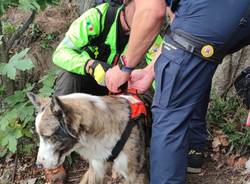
x=122, y=65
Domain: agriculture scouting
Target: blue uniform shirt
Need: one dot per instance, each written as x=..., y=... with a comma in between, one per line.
x=201, y=17
x=168, y=2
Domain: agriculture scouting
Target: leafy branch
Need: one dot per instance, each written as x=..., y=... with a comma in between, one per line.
x=21, y=30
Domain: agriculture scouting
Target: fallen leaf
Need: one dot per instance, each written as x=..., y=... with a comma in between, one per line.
x=216, y=142
x=215, y=156
x=224, y=140
x=230, y=160
x=241, y=162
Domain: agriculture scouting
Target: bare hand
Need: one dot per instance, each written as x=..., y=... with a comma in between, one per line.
x=115, y=78
x=140, y=80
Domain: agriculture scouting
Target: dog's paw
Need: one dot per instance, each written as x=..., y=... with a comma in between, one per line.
x=55, y=176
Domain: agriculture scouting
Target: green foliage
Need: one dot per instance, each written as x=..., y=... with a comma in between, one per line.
x=230, y=116
x=16, y=112
x=72, y=158
x=27, y=148
x=4, y=4
x=36, y=32
x=16, y=62
x=47, y=82
x=26, y=5
x=1, y=37
x=48, y=39
x=17, y=116
x=13, y=120
x=8, y=28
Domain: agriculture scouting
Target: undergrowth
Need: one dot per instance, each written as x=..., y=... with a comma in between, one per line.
x=229, y=115
x=17, y=117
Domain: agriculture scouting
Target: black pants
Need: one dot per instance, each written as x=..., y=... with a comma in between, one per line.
x=68, y=82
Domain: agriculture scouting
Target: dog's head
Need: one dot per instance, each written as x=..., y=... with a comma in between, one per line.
x=57, y=136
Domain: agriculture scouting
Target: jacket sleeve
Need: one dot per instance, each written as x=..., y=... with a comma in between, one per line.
x=69, y=54
x=151, y=53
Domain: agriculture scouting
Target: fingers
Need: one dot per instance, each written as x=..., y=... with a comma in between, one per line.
x=114, y=89
x=110, y=84
x=115, y=78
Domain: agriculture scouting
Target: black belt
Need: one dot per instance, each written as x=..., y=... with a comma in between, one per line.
x=196, y=46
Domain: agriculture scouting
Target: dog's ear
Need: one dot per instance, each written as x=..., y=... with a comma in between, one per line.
x=35, y=99
x=60, y=110
x=57, y=107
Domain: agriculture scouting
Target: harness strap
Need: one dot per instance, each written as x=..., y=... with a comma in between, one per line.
x=122, y=141
x=109, y=19
x=137, y=111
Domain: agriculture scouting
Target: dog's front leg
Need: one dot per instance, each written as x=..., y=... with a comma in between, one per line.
x=85, y=178
x=95, y=173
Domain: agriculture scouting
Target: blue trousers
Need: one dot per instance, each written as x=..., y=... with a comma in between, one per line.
x=183, y=83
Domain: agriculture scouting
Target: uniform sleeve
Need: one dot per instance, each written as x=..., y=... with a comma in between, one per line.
x=69, y=54
x=151, y=53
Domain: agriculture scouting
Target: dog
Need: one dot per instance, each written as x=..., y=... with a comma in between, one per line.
x=92, y=126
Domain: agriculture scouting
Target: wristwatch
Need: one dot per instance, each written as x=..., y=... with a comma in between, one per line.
x=122, y=65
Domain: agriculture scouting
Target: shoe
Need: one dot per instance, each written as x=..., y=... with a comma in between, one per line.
x=55, y=176
x=195, y=161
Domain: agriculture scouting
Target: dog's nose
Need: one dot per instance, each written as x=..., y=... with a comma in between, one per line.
x=39, y=165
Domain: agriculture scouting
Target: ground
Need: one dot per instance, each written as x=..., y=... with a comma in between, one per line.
x=27, y=173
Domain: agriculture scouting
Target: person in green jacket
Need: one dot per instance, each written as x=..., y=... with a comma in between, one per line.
x=85, y=56
x=92, y=45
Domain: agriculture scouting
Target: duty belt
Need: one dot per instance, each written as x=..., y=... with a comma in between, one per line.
x=196, y=46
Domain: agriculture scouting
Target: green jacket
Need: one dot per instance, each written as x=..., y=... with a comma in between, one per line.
x=71, y=53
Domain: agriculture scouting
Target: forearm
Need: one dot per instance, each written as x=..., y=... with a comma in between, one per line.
x=145, y=26
x=70, y=60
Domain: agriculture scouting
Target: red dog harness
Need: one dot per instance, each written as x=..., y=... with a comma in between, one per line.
x=137, y=106
x=138, y=110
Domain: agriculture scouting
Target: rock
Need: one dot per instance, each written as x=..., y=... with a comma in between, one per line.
x=227, y=71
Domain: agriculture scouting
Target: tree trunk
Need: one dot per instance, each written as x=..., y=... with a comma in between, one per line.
x=84, y=5
x=8, y=84
x=3, y=52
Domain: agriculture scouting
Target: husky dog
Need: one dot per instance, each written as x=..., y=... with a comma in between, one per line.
x=91, y=126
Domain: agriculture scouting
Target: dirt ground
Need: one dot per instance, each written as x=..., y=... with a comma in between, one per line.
x=27, y=173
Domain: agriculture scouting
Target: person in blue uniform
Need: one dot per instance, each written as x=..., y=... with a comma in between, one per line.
x=202, y=33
